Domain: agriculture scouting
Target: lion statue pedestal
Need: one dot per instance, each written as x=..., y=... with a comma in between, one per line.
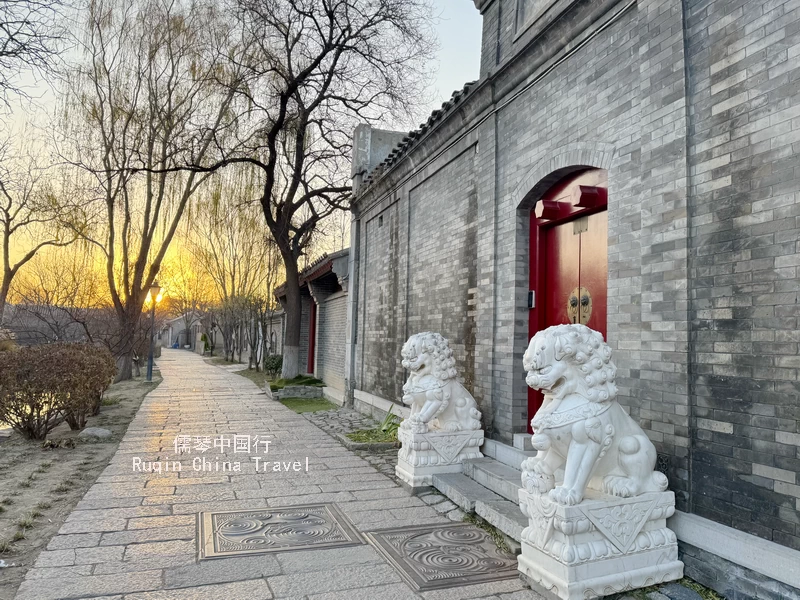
x=595, y=505
x=444, y=427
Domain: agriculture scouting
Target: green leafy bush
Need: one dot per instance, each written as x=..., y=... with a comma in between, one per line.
x=41, y=386
x=273, y=364
x=390, y=425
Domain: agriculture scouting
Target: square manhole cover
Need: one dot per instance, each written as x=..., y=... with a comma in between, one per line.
x=431, y=557
x=279, y=529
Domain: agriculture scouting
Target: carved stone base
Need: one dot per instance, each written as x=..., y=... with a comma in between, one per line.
x=424, y=455
x=602, y=546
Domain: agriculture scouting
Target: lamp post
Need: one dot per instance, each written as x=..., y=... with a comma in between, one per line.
x=155, y=296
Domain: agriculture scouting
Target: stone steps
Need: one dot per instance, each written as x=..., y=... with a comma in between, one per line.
x=504, y=515
x=463, y=491
x=499, y=478
x=488, y=488
x=508, y=455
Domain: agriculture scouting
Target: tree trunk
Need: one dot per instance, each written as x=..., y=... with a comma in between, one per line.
x=3, y=297
x=124, y=367
x=124, y=348
x=293, y=311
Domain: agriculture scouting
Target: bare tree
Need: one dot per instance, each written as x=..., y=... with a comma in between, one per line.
x=270, y=305
x=147, y=98
x=30, y=216
x=62, y=293
x=30, y=39
x=188, y=290
x=315, y=68
x=227, y=238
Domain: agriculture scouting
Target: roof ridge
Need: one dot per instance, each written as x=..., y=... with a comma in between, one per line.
x=410, y=140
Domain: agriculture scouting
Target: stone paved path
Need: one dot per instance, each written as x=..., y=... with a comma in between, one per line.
x=132, y=536
x=347, y=420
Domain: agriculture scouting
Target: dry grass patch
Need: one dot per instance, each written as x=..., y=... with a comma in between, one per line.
x=43, y=483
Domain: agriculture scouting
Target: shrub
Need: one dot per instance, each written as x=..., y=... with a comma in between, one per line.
x=273, y=364
x=41, y=386
x=7, y=341
x=31, y=399
x=93, y=371
x=390, y=425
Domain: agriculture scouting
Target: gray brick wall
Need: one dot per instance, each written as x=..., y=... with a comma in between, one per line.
x=331, y=325
x=382, y=302
x=733, y=581
x=692, y=108
x=275, y=326
x=305, y=315
x=744, y=141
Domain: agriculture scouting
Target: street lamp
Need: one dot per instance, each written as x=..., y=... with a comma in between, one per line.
x=155, y=297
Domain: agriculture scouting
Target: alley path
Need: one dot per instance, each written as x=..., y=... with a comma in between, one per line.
x=133, y=535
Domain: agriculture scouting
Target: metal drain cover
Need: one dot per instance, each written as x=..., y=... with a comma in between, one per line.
x=432, y=557
x=278, y=529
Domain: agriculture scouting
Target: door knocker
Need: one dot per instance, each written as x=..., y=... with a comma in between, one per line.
x=579, y=306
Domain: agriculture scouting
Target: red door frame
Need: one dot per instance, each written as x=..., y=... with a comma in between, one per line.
x=547, y=213
x=312, y=336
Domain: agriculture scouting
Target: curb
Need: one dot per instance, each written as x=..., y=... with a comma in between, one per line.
x=351, y=445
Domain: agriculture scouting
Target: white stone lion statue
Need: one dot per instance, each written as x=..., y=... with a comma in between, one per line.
x=581, y=428
x=438, y=401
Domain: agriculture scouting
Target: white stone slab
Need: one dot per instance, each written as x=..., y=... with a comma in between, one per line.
x=752, y=552
x=424, y=455
x=602, y=546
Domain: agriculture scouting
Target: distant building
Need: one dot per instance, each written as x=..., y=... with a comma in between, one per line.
x=34, y=324
x=175, y=332
x=324, y=293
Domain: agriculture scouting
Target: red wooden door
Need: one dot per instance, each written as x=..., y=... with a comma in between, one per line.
x=569, y=259
x=593, y=274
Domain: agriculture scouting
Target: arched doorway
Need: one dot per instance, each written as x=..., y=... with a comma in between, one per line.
x=569, y=258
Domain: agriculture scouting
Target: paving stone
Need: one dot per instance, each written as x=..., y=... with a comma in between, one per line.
x=476, y=591
x=144, y=564
x=79, y=540
x=444, y=507
x=322, y=560
x=152, y=549
x=396, y=591
x=119, y=513
x=347, y=578
x=102, y=554
x=675, y=591
x=382, y=504
x=100, y=525
x=60, y=588
x=148, y=535
x=97, y=503
x=431, y=498
x=221, y=570
x=657, y=596
x=366, y=490
x=55, y=572
x=456, y=515
x=54, y=558
x=255, y=589
x=531, y=595
x=386, y=489
x=419, y=512
x=172, y=521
